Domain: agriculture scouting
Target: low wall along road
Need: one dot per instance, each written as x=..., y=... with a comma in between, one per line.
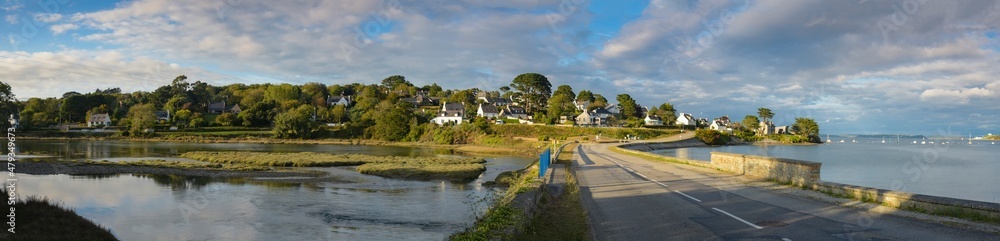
x=806, y=174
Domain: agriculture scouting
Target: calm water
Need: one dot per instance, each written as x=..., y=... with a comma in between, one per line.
x=955, y=169
x=162, y=207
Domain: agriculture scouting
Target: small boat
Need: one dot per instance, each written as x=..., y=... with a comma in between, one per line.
x=883, y=140
x=924, y=142
x=828, y=138
x=841, y=141
x=854, y=141
x=914, y=142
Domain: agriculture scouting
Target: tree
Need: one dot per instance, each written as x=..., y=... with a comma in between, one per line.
x=599, y=102
x=393, y=81
x=585, y=95
x=807, y=128
x=314, y=93
x=667, y=113
x=560, y=105
x=140, y=118
x=628, y=109
x=182, y=116
x=282, y=93
x=338, y=113
x=258, y=115
x=751, y=122
x=765, y=114
x=533, y=89
x=225, y=119
x=8, y=104
x=565, y=90
x=294, y=123
x=391, y=122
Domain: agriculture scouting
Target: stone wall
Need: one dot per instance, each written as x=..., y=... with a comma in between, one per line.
x=800, y=173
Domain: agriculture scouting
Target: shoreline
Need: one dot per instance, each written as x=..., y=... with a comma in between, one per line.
x=465, y=148
x=50, y=168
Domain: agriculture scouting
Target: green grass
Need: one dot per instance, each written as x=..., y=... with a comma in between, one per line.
x=40, y=219
x=503, y=219
x=561, y=218
x=388, y=166
x=423, y=171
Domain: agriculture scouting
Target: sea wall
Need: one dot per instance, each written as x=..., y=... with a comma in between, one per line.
x=806, y=174
x=796, y=172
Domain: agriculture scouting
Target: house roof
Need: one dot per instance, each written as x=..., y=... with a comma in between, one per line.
x=217, y=106
x=454, y=107
x=336, y=98
x=487, y=108
x=235, y=107
x=515, y=110
x=653, y=117
x=99, y=118
x=162, y=114
x=600, y=110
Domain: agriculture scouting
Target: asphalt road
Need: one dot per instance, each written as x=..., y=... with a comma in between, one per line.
x=629, y=198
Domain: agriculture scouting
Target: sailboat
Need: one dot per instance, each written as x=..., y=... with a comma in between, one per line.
x=914, y=142
x=897, y=139
x=970, y=138
x=883, y=140
x=828, y=138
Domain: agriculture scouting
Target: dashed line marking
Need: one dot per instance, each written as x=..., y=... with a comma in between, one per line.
x=685, y=195
x=738, y=218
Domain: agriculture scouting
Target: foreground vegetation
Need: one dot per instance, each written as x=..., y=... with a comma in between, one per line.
x=40, y=219
x=386, y=166
x=560, y=217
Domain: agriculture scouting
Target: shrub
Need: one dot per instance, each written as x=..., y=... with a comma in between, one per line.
x=712, y=137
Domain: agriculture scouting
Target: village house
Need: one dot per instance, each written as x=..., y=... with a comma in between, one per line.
x=496, y=101
x=450, y=113
x=162, y=115
x=488, y=111
x=514, y=112
x=589, y=119
x=686, y=120
x=421, y=100
x=339, y=100
x=582, y=105
x=652, y=120
x=99, y=120
x=601, y=113
x=221, y=107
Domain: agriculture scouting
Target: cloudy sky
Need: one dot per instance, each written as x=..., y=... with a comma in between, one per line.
x=857, y=66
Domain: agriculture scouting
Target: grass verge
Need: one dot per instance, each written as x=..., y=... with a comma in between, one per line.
x=562, y=217
x=39, y=219
x=507, y=216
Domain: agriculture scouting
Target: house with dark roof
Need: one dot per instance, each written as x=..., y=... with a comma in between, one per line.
x=652, y=120
x=421, y=100
x=217, y=107
x=601, y=112
x=495, y=101
x=162, y=115
x=488, y=111
x=99, y=120
x=450, y=113
x=514, y=112
x=334, y=100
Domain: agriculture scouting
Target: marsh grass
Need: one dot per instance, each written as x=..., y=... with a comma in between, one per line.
x=40, y=219
x=181, y=165
x=422, y=168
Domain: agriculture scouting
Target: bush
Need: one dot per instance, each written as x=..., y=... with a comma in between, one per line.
x=712, y=137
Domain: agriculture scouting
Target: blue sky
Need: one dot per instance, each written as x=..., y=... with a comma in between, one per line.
x=906, y=67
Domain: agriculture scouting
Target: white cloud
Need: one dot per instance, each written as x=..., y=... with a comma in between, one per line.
x=61, y=28
x=48, y=17
x=45, y=74
x=11, y=19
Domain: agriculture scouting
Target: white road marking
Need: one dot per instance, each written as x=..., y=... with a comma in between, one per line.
x=685, y=195
x=738, y=218
x=785, y=239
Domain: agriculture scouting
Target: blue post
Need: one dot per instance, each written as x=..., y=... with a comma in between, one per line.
x=543, y=162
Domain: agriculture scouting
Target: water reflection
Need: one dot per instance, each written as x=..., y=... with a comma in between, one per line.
x=97, y=150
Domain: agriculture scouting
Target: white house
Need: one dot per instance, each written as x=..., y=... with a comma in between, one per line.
x=652, y=120
x=514, y=112
x=339, y=100
x=719, y=126
x=601, y=112
x=582, y=105
x=487, y=111
x=686, y=119
x=589, y=119
x=450, y=113
x=96, y=120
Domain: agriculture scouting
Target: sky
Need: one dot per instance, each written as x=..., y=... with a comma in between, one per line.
x=856, y=66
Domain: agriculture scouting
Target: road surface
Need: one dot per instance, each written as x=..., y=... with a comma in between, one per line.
x=629, y=198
